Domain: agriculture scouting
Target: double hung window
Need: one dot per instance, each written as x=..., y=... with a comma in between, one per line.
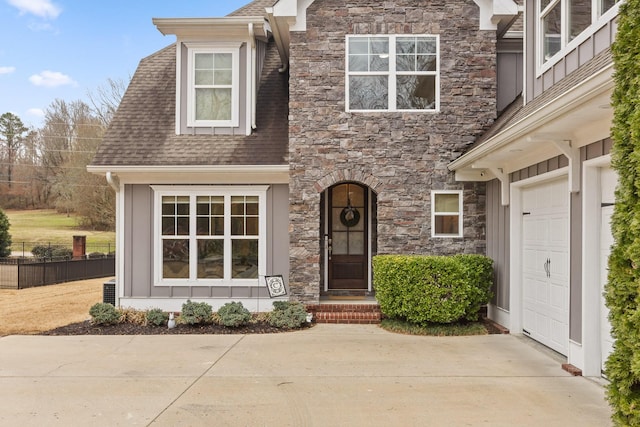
x=210, y=235
x=213, y=87
x=562, y=21
x=446, y=213
x=392, y=73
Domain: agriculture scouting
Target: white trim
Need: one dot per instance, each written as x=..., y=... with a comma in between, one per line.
x=392, y=73
x=178, y=86
x=591, y=297
x=192, y=191
x=120, y=242
x=213, y=48
x=460, y=213
x=515, y=250
x=254, y=305
x=499, y=315
x=596, y=24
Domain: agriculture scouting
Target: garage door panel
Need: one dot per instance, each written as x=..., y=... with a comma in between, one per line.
x=545, y=272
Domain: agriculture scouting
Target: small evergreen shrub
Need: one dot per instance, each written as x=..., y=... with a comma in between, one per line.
x=5, y=237
x=234, y=314
x=194, y=313
x=432, y=289
x=288, y=315
x=157, y=317
x=51, y=251
x=133, y=316
x=104, y=314
x=95, y=255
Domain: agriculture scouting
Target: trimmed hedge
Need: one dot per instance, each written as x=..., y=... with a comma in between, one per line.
x=622, y=293
x=432, y=289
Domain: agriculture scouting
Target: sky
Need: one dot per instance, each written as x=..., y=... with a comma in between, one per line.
x=64, y=49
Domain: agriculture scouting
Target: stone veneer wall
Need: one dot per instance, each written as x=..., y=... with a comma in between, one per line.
x=401, y=156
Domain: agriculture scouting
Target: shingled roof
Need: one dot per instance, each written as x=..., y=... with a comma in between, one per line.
x=516, y=111
x=255, y=8
x=142, y=132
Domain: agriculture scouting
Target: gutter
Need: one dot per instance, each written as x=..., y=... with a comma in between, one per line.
x=113, y=181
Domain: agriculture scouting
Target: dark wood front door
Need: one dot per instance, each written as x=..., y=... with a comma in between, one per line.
x=348, y=234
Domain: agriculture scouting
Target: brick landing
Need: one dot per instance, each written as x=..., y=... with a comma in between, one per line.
x=346, y=313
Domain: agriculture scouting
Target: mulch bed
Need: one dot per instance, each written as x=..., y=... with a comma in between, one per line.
x=86, y=328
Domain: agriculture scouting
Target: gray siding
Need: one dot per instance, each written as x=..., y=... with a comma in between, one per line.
x=498, y=243
x=594, y=44
x=244, y=73
x=510, y=74
x=138, y=242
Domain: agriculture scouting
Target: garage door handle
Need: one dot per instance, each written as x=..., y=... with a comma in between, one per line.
x=547, y=267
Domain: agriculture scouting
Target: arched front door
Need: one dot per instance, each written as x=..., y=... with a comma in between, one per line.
x=348, y=236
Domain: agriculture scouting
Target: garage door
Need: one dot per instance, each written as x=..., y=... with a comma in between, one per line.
x=545, y=275
x=607, y=185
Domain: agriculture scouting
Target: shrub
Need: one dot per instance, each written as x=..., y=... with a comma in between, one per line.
x=233, y=314
x=133, y=316
x=94, y=255
x=157, y=317
x=51, y=251
x=5, y=237
x=289, y=315
x=194, y=313
x=104, y=314
x=621, y=292
x=438, y=289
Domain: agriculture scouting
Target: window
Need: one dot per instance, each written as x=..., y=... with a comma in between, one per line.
x=392, y=73
x=213, y=92
x=446, y=213
x=562, y=21
x=214, y=235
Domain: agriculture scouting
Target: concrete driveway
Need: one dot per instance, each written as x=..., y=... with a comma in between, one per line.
x=330, y=375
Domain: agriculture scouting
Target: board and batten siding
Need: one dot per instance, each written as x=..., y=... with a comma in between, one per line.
x=498, y=244
x=138, y=247
x=599, y=40
x=588, y=152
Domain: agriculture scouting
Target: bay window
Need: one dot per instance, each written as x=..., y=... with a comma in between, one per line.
x=210, y=235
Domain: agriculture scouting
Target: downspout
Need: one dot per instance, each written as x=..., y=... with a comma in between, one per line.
x=278, y=38
x=253, y=79
x=114, y=183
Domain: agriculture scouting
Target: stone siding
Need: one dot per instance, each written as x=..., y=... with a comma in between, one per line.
x=402, y=156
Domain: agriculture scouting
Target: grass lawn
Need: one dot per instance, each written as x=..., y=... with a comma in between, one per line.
x=44, y=226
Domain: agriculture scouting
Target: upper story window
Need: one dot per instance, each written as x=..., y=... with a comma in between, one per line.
x=562, y=21
x=392, y=73
x=213, y=87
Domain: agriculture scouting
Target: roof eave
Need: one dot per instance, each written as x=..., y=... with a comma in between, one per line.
x=213, y=27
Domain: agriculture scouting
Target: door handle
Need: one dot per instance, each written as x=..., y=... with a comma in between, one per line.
x=547, y=267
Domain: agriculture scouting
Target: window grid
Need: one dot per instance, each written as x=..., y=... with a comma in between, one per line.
x=382, y=61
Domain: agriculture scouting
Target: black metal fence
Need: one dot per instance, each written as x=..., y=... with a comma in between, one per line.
x=24, y=249
x=22, y=273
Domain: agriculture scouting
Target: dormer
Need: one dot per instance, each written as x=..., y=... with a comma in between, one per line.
x=218, y=67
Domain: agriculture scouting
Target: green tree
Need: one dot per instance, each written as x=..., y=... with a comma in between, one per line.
x=622, y=292
x=12, y=132
x=5, y=237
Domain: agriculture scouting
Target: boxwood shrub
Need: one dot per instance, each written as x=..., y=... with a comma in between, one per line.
x=432, y=289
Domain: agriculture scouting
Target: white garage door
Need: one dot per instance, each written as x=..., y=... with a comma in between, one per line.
x=545, y=261
x=607, y=184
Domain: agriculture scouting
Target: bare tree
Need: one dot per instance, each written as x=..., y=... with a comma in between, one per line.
x=106, y=99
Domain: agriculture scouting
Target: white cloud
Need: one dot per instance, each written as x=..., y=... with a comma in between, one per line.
x=36, y=112
x=7, y=70
x=51, y=79
x=41, y=8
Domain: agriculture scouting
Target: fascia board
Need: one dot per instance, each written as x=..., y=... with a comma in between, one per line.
x=208, y=27
x=599, y=82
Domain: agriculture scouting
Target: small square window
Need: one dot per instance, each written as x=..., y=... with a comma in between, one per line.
x=446, y=213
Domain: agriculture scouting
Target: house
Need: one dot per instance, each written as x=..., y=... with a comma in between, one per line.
x=302, y=137
x=550, y=187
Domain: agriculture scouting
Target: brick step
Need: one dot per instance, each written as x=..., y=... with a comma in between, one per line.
x=346, y=313
x=347, y=317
